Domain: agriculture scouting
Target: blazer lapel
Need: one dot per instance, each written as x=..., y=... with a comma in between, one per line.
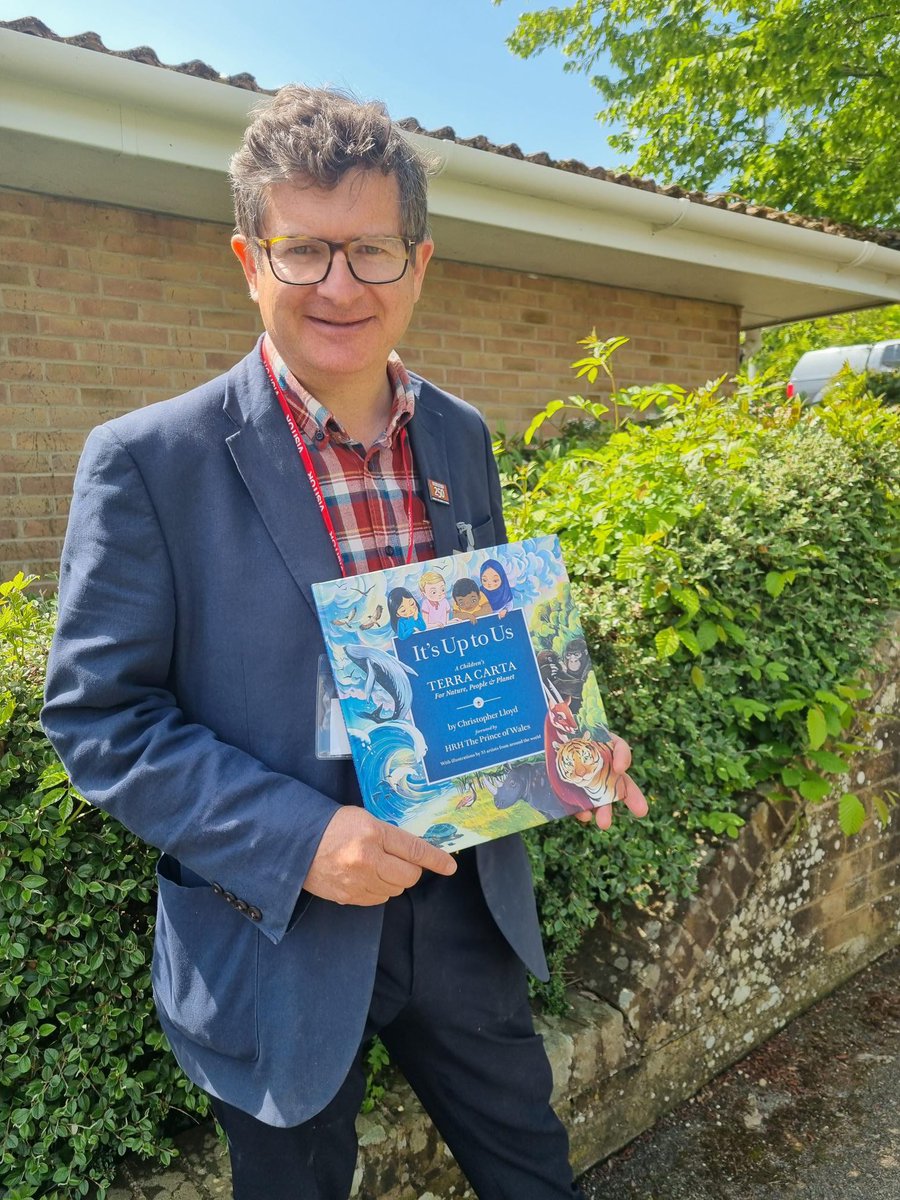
x=267, y=459
x=429, y=446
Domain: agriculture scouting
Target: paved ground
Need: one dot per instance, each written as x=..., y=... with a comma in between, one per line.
x=812, y=1115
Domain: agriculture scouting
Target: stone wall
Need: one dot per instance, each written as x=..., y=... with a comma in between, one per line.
x=103, y=309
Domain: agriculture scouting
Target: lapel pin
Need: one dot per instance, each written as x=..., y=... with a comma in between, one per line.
x=439, y=492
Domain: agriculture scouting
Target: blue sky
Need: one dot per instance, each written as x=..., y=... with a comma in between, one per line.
x=445, y=63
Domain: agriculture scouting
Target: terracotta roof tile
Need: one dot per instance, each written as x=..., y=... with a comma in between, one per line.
x=726, y=201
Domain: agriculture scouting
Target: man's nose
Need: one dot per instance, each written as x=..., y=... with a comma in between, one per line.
x=340, y=284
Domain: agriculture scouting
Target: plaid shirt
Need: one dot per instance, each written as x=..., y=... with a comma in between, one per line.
x=364, y=489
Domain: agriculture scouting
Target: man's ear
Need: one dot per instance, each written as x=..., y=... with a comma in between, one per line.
x=423, y=252
x=246, y=253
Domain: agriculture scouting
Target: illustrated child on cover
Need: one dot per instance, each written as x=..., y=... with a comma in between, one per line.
x=435, y=607
x=403, y=609
x=495, y=586
x=469, y=602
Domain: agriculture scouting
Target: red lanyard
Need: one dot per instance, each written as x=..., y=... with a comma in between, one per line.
x=312, y=476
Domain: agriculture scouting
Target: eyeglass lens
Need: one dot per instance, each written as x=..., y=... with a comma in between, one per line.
x=306, y=260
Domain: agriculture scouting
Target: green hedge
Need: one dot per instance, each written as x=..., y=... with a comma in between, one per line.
x=734, y=559
x=734, y=565
x=885, y=384
x=84, y=1072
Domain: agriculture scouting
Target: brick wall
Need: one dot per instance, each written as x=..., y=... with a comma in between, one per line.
x=103, y=309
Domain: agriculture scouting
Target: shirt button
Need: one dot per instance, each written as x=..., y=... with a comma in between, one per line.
x=390, y=551
x=320, y=436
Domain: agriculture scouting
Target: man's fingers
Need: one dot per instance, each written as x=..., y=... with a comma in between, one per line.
x=628, y=791
x=621, y=755
x=417, y=851
x=396, y=873
x=603, y=816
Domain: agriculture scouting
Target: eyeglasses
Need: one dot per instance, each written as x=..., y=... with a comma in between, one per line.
x=307, y=260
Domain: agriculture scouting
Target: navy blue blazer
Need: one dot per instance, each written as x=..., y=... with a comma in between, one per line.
x=181, y=697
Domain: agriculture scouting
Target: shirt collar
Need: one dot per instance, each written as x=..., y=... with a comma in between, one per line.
x=314, y=418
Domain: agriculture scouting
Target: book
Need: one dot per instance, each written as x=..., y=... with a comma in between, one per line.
x=469, y=702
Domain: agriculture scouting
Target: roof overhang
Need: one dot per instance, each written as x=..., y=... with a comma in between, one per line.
x=81, y=124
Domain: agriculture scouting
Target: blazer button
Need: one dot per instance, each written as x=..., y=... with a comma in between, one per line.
x=242, y=906
x=230, y=897
x=218, y=890
x=254, y=913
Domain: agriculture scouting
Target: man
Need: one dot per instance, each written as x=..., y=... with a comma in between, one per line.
x=292, y=925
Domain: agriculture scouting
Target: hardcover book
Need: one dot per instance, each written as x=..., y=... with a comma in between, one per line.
x=468, y=700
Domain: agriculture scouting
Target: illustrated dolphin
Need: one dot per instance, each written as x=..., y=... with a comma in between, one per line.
x=386, y=672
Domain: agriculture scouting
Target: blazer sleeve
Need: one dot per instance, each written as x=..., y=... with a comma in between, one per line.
x=117, y=726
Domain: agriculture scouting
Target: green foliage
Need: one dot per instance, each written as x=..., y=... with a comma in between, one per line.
x=795, y=103
x=782, y=345
x=733, y=561
x=84, y=1072
x=885, y=385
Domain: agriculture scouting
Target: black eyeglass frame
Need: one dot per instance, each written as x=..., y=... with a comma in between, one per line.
x=266, y=244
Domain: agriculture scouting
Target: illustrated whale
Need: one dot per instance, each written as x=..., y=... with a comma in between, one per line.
x=384, y=671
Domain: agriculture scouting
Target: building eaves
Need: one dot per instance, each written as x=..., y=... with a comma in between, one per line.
x=889, y=238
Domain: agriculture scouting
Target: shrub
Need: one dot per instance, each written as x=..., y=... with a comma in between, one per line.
x=733, y=563
x=884, y=384
x=84, y=1071
x=733, y=560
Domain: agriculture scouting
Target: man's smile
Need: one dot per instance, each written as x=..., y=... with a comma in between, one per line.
x=340, y=322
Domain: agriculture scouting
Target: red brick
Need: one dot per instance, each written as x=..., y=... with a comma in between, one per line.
x=121, y=310
x=25, y=369
x=16, y=274
x=45, y=485
x=31, y=300
x=133, y=289
x=66, y=281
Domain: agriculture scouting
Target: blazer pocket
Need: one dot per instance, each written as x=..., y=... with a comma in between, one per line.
x=483, y=534
x=205, y=966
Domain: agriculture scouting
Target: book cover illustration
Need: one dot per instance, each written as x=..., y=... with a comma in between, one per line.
x=467, y=694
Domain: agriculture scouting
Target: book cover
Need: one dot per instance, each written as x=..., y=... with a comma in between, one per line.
x=468, y=699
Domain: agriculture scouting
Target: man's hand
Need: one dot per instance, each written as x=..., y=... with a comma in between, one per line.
x=626, y=789
x=361, y=860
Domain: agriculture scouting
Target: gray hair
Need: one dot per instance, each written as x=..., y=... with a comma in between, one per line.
x=315, y=136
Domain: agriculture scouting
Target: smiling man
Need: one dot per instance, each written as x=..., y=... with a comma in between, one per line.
x=188, y=665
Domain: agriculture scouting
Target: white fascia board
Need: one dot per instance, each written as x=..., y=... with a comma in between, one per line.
x=554, y=203
x=59, y=67
x=64, y=93
x=814, y=260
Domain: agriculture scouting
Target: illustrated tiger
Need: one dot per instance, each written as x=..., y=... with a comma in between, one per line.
x=587, y=764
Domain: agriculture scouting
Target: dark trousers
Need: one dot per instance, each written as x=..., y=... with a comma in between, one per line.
x=451, y=1005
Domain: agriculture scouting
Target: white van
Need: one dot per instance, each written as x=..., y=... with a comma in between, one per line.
x=817, y=368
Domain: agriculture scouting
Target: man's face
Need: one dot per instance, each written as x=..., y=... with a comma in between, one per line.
x=336, y=334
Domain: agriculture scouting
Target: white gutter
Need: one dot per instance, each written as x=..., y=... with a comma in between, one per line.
x=660, y=214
